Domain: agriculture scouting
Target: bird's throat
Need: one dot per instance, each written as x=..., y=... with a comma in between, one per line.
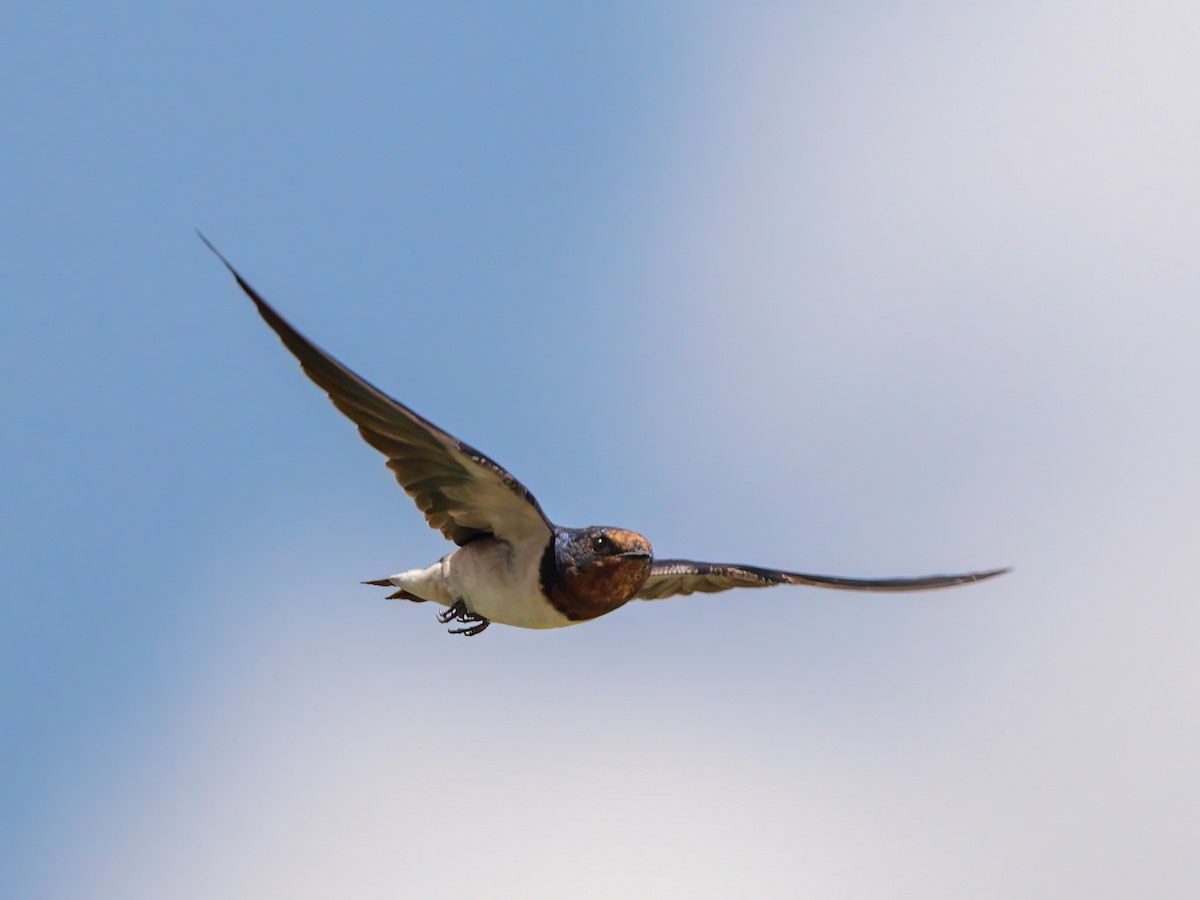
x=587, y=592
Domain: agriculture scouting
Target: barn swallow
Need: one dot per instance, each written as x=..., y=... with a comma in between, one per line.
x=512, y=564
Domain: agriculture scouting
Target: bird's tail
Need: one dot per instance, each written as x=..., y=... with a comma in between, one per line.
x=399, y=595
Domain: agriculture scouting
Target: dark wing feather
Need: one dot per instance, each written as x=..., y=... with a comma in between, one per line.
x=462, y=492
x=679, y=577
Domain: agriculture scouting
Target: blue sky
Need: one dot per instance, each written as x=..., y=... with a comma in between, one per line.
x=895, y=289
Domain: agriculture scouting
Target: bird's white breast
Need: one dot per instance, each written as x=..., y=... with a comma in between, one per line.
x=501, y=582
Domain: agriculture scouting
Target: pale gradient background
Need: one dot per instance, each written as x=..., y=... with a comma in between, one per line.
x=865, y=289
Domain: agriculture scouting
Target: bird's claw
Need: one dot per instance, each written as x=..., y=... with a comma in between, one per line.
x=474, y=629
x=458, y=612
x=450, y=613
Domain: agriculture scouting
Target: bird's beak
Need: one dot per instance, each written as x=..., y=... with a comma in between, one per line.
x=636, y=554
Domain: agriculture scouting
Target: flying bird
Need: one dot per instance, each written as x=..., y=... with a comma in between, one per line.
x=512, y=564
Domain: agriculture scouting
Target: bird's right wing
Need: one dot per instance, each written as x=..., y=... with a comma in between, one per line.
x=461, y=491
x=680, y=577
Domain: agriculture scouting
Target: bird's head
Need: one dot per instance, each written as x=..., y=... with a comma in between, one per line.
x=597, y=569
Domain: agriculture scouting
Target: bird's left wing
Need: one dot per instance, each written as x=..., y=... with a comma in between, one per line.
x=461, y=491
x=680, y=577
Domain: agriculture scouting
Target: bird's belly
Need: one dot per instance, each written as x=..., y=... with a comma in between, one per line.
x=522, y=609
x=502, y=584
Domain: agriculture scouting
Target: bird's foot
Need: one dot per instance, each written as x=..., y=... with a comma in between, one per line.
x=450, y=613
x=458, y=612
x=474, y=629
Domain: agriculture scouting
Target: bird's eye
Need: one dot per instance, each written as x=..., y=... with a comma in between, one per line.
x=600, y=543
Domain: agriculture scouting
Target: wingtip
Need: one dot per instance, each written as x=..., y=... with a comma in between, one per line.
x=228, y=265
x=382, y=582
x=263, y=307
x=990, y=573
x=217, y=253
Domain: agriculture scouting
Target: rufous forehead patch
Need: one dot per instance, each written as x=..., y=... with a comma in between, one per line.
x=628, y=540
